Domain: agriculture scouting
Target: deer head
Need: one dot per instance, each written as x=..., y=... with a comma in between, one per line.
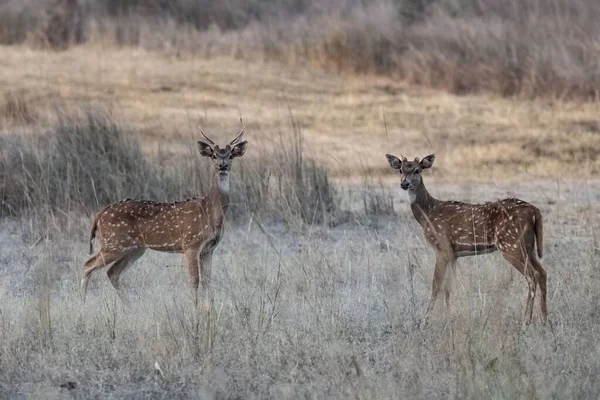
x=410, y=170
x=222, y=156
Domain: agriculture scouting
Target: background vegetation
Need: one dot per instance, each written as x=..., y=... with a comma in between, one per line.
x=510, y=47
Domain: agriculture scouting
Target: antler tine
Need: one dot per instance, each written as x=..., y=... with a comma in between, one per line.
x=210, y=141
x=239, y=136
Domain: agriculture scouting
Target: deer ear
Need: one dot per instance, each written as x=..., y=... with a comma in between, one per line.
x=427, y=161
x=239, y=149
x=205, y=149
x=394, y=161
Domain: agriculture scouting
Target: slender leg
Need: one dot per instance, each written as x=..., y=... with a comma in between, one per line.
x=100, y=260
x=443, y=258
x=541, y=280
x=519, y=260
x=532, y=283
x=114, y=271
x=191, y=260
x=450, y=272
x=205, y=272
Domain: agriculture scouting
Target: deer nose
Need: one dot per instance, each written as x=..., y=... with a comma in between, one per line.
x=404, y=184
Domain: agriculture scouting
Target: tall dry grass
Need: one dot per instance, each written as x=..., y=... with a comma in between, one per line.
x=510, y=47
x=86, y=160
x=328, y=312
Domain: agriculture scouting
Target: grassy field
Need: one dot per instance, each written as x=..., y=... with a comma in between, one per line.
x=341, y=117
x=316, y=312
x=302, y=309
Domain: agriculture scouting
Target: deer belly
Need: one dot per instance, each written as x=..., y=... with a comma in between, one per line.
x=473, y=249
x=167, y=247
x=163, y=240
x=211, y=243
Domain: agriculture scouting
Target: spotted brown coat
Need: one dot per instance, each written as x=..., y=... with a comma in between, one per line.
x=455, y=229
x=193, y=227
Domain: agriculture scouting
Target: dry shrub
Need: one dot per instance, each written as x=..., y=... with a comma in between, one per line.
x=511, y=47
x=54, y=24
x=87, y=160
x=17, y=20
x=507, y=47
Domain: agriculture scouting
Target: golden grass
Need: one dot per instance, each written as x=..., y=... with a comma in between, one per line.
x=165, y=97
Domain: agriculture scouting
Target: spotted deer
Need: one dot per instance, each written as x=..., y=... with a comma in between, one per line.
x=455, y=229
x=193, y=227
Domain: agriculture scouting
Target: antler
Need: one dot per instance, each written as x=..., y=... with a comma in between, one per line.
x=239, y=136
x=210, y=141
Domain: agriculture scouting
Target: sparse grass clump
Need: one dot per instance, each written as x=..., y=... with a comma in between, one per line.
x=300, y=186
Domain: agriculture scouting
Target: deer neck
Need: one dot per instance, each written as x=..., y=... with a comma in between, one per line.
x=421, y=203
x=219, y=195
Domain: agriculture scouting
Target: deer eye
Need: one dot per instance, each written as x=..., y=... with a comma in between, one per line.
x=214, y=156
x=417, y=172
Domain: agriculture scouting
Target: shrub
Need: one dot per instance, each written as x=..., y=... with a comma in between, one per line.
x=511, y=47
x=87, y=160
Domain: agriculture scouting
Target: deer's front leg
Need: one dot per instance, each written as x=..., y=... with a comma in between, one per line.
x=443, y=259
x=205, y=273
x=191, y=261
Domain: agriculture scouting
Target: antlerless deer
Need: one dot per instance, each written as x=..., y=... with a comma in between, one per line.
x=193, y=227
x=456, y=229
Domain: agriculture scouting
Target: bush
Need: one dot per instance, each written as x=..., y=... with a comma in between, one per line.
x=87, y=160
x=83, y=161
x=512, y=47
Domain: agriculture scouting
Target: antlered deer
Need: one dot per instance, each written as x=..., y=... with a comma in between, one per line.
x=456, y=229
x=193, y=227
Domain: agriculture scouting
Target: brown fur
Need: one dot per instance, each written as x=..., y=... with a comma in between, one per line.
x=539, y=234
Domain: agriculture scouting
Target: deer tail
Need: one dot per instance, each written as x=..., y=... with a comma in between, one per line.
x=539, y=234
x=93, y=232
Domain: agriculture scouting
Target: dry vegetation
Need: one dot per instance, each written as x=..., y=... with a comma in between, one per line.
x=323, y=274
x=163, y=98
x=317, y=312
x=512, y=47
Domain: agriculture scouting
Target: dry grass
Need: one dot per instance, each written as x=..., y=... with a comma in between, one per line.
x=86, y=159
x=163, y=98
x=324, y=313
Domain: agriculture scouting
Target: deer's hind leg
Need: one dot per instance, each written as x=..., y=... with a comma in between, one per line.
x=516, y=254
x=100, y=260
x=114, y=271
x=540, y=275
